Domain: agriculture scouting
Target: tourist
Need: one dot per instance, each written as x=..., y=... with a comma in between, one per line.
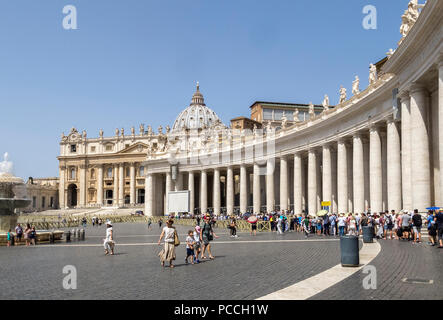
x=341, y=225
x=32, y=235
x=84, y=221
x=405, y=219
x=197, y=243
x=27, y=234
x=9, y=237
x=439, y=222
x=18, y=234
x=333, y=221
x=353, y=226
x=416, y=225
x=363, y=222
x=279, y=224
x=160, y=222
x=100, y=222
x=380, y=223
x=207, y=234
x=190, y=242
x=233, y=228
x=396, y=230
x=389, y=223
x=149, y=223
x=109, y=242
x=319, y=225
x=357, y=222
x=306, y=226
x=198, y=220
x=168, y=252
x=432, y=228
x=326, y=225
x=254, y=228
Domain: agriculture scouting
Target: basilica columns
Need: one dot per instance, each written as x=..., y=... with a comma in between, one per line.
x=168, y=189
x=375, y=169
x=149, y=205
x=121, y=185
x=243, y=189
x=421, y=174
x=342, y=177
x=440, y=130
x=298, y=187
x=115, y=191
x=82, y=185
x=406, y=157
x=284, y=184
x=312, y=182
x=132, y=195
x=358, y=170
x=270, y=193
x=191, y=189
x=256, y=189
x=216, y=200
x=393, y=167
x=61, y=187
x=204, y=192
x=100, y=185
x=230, y=191
x=327, y=174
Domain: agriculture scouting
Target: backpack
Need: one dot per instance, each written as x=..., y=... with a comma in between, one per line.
x=364, y=221
x=389, y=221
x=417, y=220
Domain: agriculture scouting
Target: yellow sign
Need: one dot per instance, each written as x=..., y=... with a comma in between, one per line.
x=326, y=204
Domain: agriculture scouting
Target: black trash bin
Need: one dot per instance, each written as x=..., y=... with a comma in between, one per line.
x=350, y=256
x=68, y=236
x=368, y=234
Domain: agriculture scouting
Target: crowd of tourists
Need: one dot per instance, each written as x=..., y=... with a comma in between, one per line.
x=28, y=235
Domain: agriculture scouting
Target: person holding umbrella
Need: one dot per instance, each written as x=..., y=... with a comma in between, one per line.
x=253, y=221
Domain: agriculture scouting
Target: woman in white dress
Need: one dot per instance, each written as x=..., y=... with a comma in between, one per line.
x=109, y=240
x=168, y=252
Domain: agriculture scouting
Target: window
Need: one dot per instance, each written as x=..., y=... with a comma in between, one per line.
x=109, y=147
x=72, y=176
x=267, y=114
x=278, y=114
x=51, y=203
x=127, y=145
x=92, y=174
x=302, y=115
x=73, y=148
x=142, y=171
x=92, y=149
x=127, y=172
x=109, y=173
x=34, y=202
x=43, y=202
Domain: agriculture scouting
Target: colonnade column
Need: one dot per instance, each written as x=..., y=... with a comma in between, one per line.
x=204, y=192
x=216, y=202
x=243, y=189
x=270, y=194
x=327, y=175
x=284, y=183
x=359, y=174
x=393, y=167
x=82, y=185
x=149, y=203
x=256, y=189
x=132, y=184
x=100, y=185
x=440, y=129
x=406, y=150
x=312, y=182
x=230, y=191
x=191, y=189
x=375, y=170
x=297, y=184
x=421, y=174
x=61, y=187
x=168, y=189
x=342, y=177
x=121, y=185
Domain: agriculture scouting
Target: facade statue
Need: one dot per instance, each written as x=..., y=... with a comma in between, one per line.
x=390, y=53
x=372, y=74
x=356, y=86
x=132, y=130
x=410, y=16
x=100, y=133
x=168, y=129
x=117, y=132
x=342, y=94
x=142, y=129
x=63, y=136
x=149, y=131
x=325, y=103
x=160, y=130
x=296, y=113
x=311, y=110
x=284, y=121
x=84, y=134
x=123, y=132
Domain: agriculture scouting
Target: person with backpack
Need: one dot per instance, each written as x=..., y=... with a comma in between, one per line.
x=432, y=228
x=389, y=224
x=416, y=226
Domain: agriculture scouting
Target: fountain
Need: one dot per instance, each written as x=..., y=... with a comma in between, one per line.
x=9, y=196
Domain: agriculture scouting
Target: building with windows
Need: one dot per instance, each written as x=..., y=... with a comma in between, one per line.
x=43, y=193
x=379, y=149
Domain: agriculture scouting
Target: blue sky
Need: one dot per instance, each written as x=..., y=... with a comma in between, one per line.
x=137, y=61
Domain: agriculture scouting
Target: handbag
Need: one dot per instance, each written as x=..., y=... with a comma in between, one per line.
x=176, y=240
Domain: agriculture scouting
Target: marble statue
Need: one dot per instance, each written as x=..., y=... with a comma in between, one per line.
x=168, y=129
x=123, y=132
x=311, y=110
x=342, y=94
x=117, y=132
x=132, y=130
x=84, y=134
x=6, y=166
x=296, y=113
x=390, y=53
x=142, y=129
x=325, y=103
x=149, y=131
x=100, y=133
x=356, y=86
x=372, y=74
x=284, y=122
x=160, y=130
x=63, y=136
x=410, y=17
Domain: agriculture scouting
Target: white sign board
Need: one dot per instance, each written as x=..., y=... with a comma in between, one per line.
x=178, y=201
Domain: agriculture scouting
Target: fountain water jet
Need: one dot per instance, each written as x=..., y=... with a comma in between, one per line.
x=9, y=185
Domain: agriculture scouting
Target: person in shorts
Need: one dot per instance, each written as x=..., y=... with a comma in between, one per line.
x=254, y=228
x=18, y=233
x=197, y=243
x=405, y=218
x=190, y=247
x=416, y=226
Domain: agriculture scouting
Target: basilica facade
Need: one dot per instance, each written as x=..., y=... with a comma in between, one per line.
x=379, y=149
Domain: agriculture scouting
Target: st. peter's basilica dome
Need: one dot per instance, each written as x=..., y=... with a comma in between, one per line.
x=197, y=115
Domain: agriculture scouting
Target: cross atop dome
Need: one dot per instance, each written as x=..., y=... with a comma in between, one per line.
x=197, y=98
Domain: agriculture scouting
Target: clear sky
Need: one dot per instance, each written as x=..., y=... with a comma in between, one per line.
x=137, y=61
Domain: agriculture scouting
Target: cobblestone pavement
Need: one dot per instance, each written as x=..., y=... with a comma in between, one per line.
x=240, y=271
x=397, y=260
x=245, y=268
